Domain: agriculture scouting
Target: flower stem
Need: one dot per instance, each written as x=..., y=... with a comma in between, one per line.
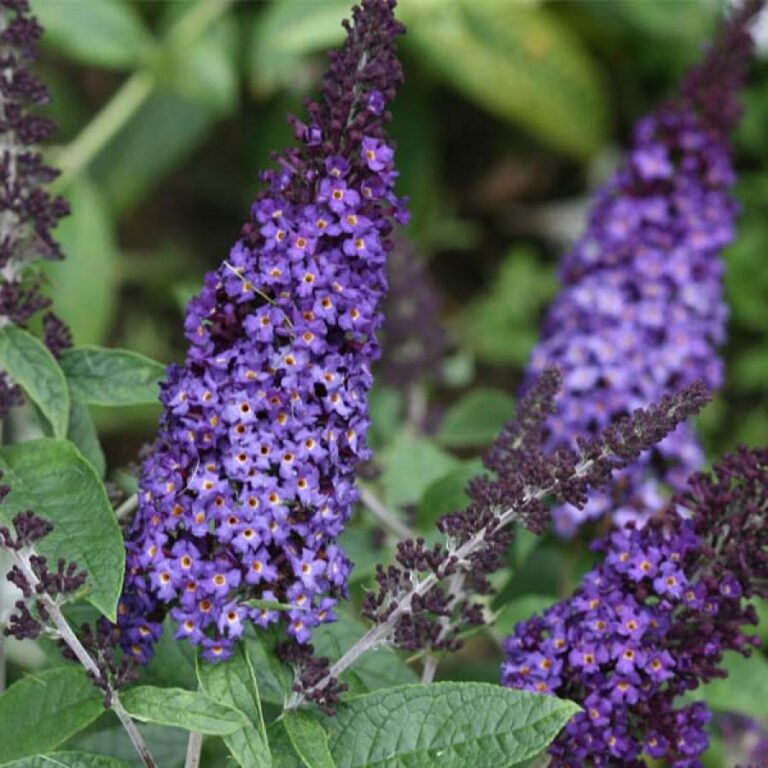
x=68, y=635
x=194, y=747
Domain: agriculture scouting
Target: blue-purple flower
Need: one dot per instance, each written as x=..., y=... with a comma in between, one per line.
x=651, y=623
x=641, y=310
x=252, y=477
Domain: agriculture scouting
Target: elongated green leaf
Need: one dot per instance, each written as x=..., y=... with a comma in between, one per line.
x=234, y=685
x=447, y=494
x=516, y=60
x=176, y=707
x=450, y=725
x=309, y=739
x=284, y=754
x=476, y=419
x=43, y=710
x=108, y=737
x=84, y=285
x=82, y=432
x=273, y=677
x=52, y=478
x=30, y=365
x=111, y=377
x=107, y=33
x=69, y=760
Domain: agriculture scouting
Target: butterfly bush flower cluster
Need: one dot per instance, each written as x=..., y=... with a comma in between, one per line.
x=252, y=478
x=652, y=622
x=641, y=311
x=28, y=212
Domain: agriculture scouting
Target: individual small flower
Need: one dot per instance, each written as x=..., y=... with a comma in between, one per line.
x=641, y=309
x=252, y=477
x=652, y=637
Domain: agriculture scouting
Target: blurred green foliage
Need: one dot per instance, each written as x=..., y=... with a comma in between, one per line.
x=511, y=113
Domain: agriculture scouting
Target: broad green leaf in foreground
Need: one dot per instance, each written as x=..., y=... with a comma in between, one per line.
x=111, y=377
x=309, y=739
x=176, y=707
x=45, y=709
x=30, y=365
x=233, y=684
x=445, y=725
x=69, y=760
x=53, y=479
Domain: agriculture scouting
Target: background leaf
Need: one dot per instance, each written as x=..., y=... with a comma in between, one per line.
x=181, y=709
x=745, y=689
x=84, y=285
x=450, y=725
x=115, y=37
x=112, y=377
x=30, y=365
x=476, y=419
x=53, y=479
x=43, y=710
x=82, y=432
x=234, y=684
x=447, y=494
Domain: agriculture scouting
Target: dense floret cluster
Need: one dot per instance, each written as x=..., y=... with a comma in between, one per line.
x=28, y=212
x=641, y=311
x=652, y=622
x=252, y=478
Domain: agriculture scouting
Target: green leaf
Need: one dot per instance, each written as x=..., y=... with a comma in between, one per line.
x=450, y=725
x=181, y=709
x=157, y=139
x=412, y=464
x=112, y=377
x=84, y=285
x=69, y=760
x=52, y=478
x=309, y=739
x=284, y=754
x=745, y=690
x=107, y=33
x=82, y=432
x=108, y=737
x=173, y=663
x=43, y=710
x=234, y=684
x=500, y=326
x=30, y=365
x=274, y=678
x=516, y=60
x=283, y=33
x=447, y=494
x=476, y=419
x=520, y=609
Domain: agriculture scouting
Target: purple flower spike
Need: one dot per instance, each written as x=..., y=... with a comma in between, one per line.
x=629, y=644
x=641, y=310
x=252, y=477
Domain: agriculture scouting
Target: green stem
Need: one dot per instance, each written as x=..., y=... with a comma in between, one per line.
x=79, y=153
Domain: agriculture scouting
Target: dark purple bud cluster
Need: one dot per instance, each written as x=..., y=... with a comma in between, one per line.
x=652, y=622
x=312, y=674
x=252, y=478
x=527, y=480
x=28, y=213
x=641, y=310
x=414, y=339
x=66, y=579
